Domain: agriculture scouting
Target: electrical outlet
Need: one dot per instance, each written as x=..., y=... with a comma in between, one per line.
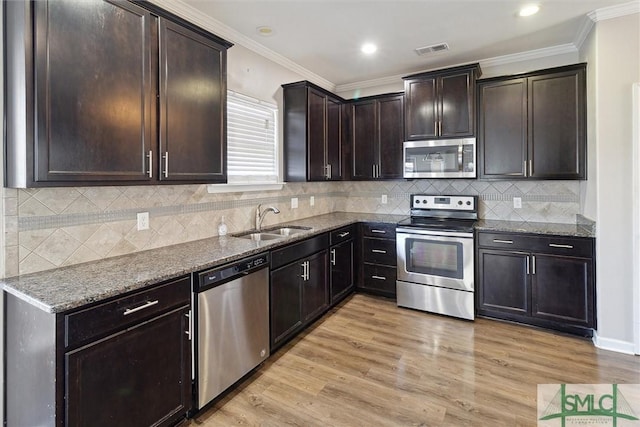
x=383, y=199
x=294, y=203
x=517, y=202
x=312, y=201
x=143, y=220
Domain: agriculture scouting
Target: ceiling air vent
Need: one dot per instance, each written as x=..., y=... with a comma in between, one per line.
x=432, y=49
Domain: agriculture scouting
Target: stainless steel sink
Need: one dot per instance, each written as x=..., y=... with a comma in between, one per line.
x=258, y=237
x=272, y=233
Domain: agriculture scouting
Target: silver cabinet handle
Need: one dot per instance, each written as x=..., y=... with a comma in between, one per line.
x=527, y=264
x=188, y=331
x=378, y=231
x=533, y=264
x=333, y=257
x=166, y=164
x=345, y=234
x=506, y=242
x=530, y=167
x=378, y=251
x=556, y=245
x=524, y=164
x=305, y=266
x=379, y=277
x=129, y=311
x=150, y=156
x=329, y=171
x=440, y=127
x=374, y=171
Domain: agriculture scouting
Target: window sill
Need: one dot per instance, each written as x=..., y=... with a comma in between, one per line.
x=244, y=187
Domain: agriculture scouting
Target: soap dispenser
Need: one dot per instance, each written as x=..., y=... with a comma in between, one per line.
x=222, y=227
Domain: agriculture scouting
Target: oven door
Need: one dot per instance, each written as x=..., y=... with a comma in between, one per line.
x=437, y=258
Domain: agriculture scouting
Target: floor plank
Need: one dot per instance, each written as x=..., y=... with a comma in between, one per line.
x=369, y=362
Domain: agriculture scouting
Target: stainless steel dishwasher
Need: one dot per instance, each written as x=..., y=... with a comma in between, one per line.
x=232, y=327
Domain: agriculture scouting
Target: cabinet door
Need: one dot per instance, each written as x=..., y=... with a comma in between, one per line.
x=316, y=136
x=95, y=92
x=364, y=139
x=391, y=136
x=557, y=134
x=140, y=376
x=193, y=97
x=315, y=296
x=342, y=277
x=562, y=289
x=504, y=282
x=502, y=129
x=334, y=138
x=456, y=105
x=285, y=302
x=421, y=108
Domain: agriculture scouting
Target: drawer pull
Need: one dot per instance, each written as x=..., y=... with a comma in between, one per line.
x=378, y=277
x=378, y=231
x=345, y=234
x=556, y=245
x=507, y=242
x=378, y=251
x=129, y=311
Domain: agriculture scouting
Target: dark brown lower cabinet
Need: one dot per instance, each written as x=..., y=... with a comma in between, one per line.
x=341, y=277
x=121, y=362
x=133, y=378
x=298, y=287
x=377, y=259
x=546, y=281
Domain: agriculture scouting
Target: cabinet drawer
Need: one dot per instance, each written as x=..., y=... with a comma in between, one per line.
x=380, y=230
x=379, y=278
x=548, y=244
x=343, y=234
x=295, y=251
x=94, y=322
x=379, y=251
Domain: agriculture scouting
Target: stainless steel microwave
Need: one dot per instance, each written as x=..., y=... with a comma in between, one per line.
x=442, y=158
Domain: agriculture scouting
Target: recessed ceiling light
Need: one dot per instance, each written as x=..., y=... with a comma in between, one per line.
x=529, y=10
x=369, y=48
x=265, y=31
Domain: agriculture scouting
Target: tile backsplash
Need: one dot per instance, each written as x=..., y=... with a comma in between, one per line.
x=53, y=227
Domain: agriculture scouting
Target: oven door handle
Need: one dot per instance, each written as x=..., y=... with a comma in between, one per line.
x=435, y=233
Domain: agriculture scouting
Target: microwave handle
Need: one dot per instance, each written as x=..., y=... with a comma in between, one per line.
x=460, y=165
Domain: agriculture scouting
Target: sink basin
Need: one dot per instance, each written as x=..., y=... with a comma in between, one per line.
x=287, y=231
x=258, y=237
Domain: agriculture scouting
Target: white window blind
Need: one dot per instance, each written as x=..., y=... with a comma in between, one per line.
x=252, y=148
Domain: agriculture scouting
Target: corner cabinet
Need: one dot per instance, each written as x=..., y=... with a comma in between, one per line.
x=376, y=137
x=441, y=104
x=533, y=126
x=313, y=131
x=540, y=280
x=121, y=362
x=82, y=105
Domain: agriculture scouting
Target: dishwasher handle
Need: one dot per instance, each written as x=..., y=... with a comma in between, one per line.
x=220, y=275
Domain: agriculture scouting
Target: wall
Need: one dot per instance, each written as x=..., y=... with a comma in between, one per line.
x=613, y=51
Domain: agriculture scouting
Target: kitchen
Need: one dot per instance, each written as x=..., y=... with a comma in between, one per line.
x=45, y=241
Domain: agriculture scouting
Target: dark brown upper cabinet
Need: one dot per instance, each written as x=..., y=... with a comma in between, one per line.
x=83, y=85
x=313, y=129
x=377, y=134
x=533, y=126
x=440, y=104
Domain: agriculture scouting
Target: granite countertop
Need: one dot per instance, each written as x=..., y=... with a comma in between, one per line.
x=70, y=287
x=573, y=230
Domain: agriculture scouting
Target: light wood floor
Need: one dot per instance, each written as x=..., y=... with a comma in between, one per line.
x=370, y=363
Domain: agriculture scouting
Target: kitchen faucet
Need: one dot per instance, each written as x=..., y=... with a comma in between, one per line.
x=260, y=215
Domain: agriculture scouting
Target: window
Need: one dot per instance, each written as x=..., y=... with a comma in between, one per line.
x=252, y=148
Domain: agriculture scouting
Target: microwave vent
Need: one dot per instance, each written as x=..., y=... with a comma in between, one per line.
x=440, y=47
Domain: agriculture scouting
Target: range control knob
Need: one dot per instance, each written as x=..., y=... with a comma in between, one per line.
x=424, y=201
x=468, y=203
x=460, y=202
x=417, y=202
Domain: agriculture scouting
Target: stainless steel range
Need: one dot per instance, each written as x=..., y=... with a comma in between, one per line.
x=435, y=255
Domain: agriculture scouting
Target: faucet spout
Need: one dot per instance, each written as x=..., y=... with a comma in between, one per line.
x=261, y=214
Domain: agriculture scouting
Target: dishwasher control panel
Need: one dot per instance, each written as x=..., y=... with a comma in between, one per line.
x=220, y=275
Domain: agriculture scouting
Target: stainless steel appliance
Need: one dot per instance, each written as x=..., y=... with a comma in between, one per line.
x=232, y=329
x=442, y=158
x=435, y=255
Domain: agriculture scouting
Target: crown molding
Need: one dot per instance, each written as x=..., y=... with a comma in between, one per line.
x=208, y=23
x=615, y=11
x=528, y=55
x=583, y=32
x=382, y=81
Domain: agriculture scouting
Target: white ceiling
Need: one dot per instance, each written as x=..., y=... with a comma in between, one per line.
x=325, y=36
